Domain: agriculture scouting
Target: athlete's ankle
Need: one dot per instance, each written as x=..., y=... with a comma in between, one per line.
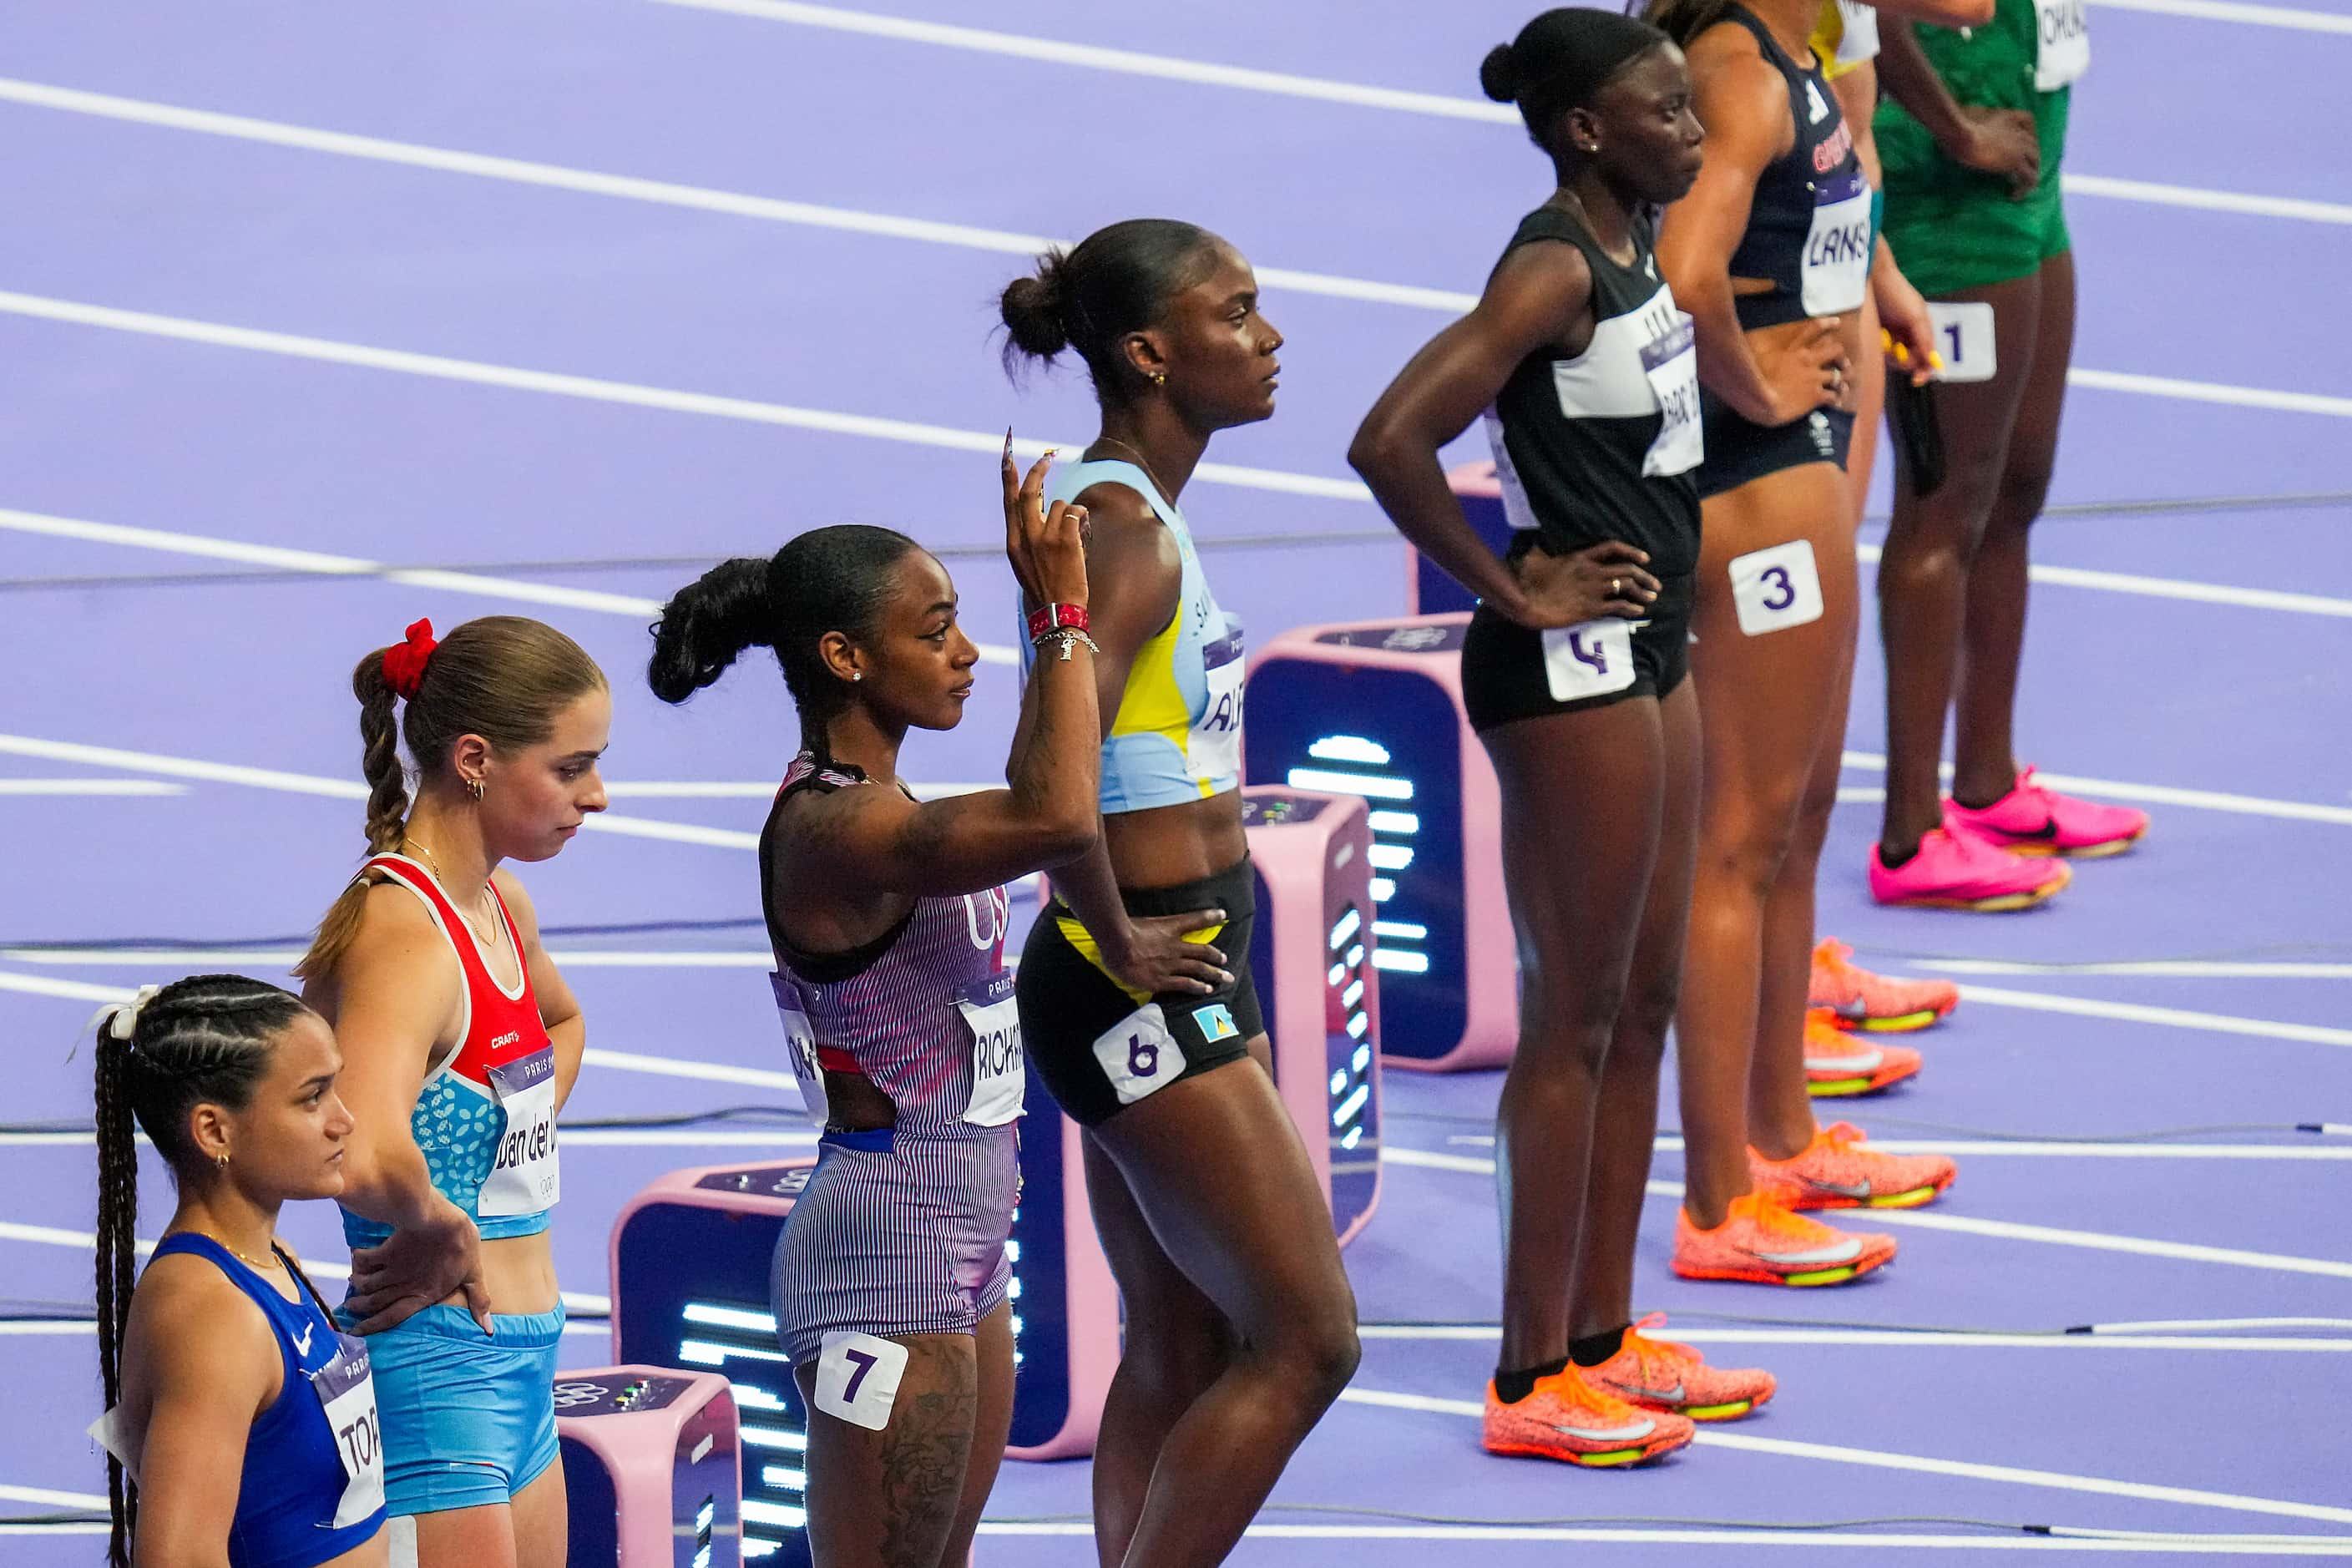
x=1510, y=1387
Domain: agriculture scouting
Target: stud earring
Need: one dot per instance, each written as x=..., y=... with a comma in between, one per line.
x=856, y=675
x=1159, y=378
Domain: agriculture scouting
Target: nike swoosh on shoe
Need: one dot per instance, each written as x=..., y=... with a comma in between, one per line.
x=1842, y=1252
x=1634, y=1433
x=1843, y=1189
x=1854, y=1012
x=1673, y=1395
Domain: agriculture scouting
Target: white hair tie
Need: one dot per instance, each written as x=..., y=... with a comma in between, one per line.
x=121, y=1018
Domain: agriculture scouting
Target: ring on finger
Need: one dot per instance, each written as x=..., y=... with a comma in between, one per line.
x=1614, y=583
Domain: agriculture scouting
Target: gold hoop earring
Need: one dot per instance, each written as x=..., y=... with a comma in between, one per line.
x=476, y=788
x=221, y=1159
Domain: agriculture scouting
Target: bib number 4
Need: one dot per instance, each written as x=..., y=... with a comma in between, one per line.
x=1590, y=660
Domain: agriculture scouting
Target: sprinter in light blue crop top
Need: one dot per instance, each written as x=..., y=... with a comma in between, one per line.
x=1178, y=734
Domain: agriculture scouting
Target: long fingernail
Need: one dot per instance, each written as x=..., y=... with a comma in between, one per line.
x=1049, y=454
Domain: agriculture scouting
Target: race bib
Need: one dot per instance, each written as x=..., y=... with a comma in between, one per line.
x=1214, y=745
x=523, y=1176
x=857, y=1378
x=346, y=1391
x=2062, y=45
x=1139, y=1054
x=1858, y=33
x=1590, y=660
x=1964, y=336
x=1671, y=362
x=800, y=1042
x=1836, y=272
x=1776, y=588
x=108, y=1433
x=998, y=1078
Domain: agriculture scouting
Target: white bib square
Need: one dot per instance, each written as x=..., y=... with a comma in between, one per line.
x=1776, y=588
x=1139, y=1054
x=1964, y=337
x=1590, y=660
x=857, y=1378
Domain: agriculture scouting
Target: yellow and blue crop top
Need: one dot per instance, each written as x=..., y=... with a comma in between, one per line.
x=1178, y=734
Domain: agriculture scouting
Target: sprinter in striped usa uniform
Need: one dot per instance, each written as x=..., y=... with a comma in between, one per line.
x=888, y=917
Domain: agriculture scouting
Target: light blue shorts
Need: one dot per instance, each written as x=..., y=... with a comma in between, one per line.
x=466, y=1420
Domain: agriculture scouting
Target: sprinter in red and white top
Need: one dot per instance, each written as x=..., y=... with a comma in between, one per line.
x=460, y=1043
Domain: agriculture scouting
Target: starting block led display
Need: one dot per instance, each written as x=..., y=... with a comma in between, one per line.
x=651, y=1469
x=1311, y=955
x=1374, y=710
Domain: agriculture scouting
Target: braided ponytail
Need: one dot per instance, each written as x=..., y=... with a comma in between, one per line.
x=202, y=1041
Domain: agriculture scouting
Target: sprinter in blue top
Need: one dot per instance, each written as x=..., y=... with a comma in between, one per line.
x=1134, y=997
x=240, y=1427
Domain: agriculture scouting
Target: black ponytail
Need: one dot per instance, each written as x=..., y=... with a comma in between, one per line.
x=1116, y=282
x=833, y=579
x=202, y=1041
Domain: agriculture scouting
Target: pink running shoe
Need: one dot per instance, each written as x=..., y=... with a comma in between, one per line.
x=1836, y=1064
x=1659, y=1374
x=1857, y=999
x=2033, y=820
x=1957, y=869
x=1837, y=1170
x=1574, y=1420
x=1768, y=1245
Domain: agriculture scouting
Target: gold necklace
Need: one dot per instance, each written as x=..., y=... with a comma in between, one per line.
x=491, y=940
x=273, y=1261
x=1140, y=462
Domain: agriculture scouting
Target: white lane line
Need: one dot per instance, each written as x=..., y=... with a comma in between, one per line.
x=2204, y=200
x=2162, y=794
x=2193, y=1545
x=2239, y=15
x=1479, y=1333
x=1129, y=62
x=477, y=584
x=2000, y=1229
x=2008, y=1474
x=2211, y=392
x=2166, y=1018
x=1134, y=62
x=596, y=1055
x=574, y=1137
x=187, y=959
x=665, y=193
x=334, y=789
x=2156, y=968
x=325, y=1269
x=54, y=1498
x=2169, y=588
x=763, y=789
x=90, y=786
x=1671, y=1143
x=478, y=372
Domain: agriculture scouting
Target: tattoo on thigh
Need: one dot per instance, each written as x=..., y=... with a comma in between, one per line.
x=923, y=1456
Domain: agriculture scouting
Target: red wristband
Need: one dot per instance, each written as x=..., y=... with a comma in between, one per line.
x=1053, y=617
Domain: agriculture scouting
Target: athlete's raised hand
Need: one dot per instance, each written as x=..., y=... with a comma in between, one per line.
x=1591, y=584
x=1047, y=546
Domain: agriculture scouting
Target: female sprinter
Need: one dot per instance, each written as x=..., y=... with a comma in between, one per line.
x=1846, y=40
x=1573, y=675
x=247, y=1422
x=461, y=1042
x=1135, y=993
x=889, y=921
x=1952, y=582
x=1771, y=252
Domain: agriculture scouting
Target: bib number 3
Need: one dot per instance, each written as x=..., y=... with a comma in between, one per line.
x=1776, y=588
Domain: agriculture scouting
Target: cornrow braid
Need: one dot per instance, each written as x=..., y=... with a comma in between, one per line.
x=202, y=1041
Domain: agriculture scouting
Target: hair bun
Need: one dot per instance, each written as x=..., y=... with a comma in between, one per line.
x=1035, y=319
x=1498, y=74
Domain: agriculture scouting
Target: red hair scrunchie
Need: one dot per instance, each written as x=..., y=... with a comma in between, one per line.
x=404, y=663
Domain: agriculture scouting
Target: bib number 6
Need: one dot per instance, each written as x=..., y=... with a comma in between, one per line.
x=1139, y=1056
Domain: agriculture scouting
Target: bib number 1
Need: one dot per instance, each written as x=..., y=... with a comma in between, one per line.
x=1964, y=337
